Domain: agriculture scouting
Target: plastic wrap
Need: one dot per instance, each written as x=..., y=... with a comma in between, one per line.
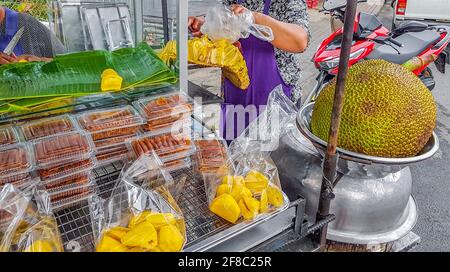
x=211, y=155
x=168, y=146
x=162, y=112
x=62, y=149
x=111, y=154
x=141, y=214
x=27, y=223
x=16, y=159
x=65, y=170
x=64, y=196
x=8, y=136
x=221, y=23
x=250, y=186
x=47, y=127
x=109, y=123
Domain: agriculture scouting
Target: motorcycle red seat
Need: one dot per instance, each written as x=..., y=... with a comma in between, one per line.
x=413, y=43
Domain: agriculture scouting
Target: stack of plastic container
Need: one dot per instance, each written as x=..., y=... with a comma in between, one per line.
x=211, y=155
x=63, y=161
x=166, y=120
x=110, y=129
x=16, y=162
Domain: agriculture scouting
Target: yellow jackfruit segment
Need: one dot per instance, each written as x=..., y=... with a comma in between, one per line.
x=39, y=246
x=170, y=239
x=117, y=232
x=264, y=202
x=223, y=189
x=142, y=235
x=109, y=244
x=249, y=207
x=256, y=181
x=156, y=219
x=275, y=196
x=226, y=207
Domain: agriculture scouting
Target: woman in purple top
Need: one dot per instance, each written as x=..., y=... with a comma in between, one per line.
x=269, y=64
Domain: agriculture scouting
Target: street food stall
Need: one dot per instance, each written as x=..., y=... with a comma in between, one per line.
x=82, y=149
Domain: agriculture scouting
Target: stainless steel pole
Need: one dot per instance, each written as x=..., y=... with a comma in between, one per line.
x=182, y=29
x=330, y=163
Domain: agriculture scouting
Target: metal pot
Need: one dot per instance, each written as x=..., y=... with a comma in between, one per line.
x=369, y=208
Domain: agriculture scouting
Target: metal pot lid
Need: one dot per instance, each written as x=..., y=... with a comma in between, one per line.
x=303, y=124
x=405, y=225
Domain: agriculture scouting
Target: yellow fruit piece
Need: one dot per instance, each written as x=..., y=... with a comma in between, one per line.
x=223, y=189
x=109, y=244
x=228, y=180
x=156, y=219
x=22, y=61
x=117, y=232
x=170, y=239
x=109, y=72
x=249, y=207
x=256, y=181
x=111, y=83
x=39, y=246
x=142, y=235
x=237, y=190
x=275, y=196
x=136, y=249
x=226, y=207
x=264, y=202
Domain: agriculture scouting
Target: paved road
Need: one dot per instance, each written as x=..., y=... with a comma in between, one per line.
x=431, y=185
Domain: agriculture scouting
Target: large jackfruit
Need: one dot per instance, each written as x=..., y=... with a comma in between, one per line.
x=387, y=112
x=223, y=54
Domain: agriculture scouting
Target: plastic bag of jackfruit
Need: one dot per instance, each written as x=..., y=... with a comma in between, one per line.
x=140, y=215
x=27, y=223
x=250, y=188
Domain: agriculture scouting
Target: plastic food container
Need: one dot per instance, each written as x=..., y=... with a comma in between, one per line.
x=64, y=170
x=163, y=111
x=210, y=155
x=62, y=149
x=178, y=164
x=68, y=195
x=112, y=154
x=167, y=146
x=113, y=122
x=15, y=159
x=74, y=180
x=109, y=142
x=8, y=136
x=47, y=127
x=17, y=180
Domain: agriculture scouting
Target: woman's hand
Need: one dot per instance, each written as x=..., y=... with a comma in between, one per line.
x=195, y=24
x=5, y=59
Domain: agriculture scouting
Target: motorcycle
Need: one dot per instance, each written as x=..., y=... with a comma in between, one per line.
x=372, y=40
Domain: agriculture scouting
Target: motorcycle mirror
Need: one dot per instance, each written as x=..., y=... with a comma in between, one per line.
x=330, y=5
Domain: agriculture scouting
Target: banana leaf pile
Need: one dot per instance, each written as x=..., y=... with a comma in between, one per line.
x=24, y=86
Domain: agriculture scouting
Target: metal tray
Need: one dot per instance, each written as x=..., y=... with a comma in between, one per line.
x=204, y=229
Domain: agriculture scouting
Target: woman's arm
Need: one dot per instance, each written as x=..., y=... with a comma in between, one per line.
x=289, y=37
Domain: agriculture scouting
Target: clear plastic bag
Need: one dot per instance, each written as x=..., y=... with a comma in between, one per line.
x=249, y=186
x=221, y=23
x=27, y=223
x=141, y=215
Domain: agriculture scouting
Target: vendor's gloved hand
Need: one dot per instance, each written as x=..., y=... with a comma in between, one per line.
x=5, y=59
x=243, y=12
x=195, y=24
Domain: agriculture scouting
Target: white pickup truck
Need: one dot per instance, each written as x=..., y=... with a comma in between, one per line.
x=430, y=11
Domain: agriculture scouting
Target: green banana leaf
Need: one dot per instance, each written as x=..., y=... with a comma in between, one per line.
x=79, y=74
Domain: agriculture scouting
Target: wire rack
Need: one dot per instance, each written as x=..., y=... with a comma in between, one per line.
x=75, y=222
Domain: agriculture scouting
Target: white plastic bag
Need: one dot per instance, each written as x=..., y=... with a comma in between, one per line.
x=222, y=23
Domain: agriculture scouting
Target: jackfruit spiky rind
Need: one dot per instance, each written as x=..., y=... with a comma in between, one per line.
x=388, y=112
